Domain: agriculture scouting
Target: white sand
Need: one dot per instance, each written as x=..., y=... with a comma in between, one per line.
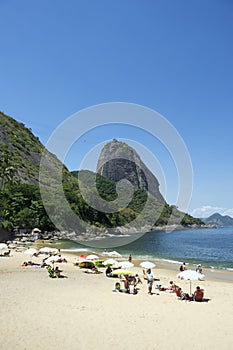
x=82, y=312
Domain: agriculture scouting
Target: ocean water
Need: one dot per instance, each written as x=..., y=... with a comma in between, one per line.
x=209, y=247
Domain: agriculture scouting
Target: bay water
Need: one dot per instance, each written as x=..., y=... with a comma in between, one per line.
x=212, y=248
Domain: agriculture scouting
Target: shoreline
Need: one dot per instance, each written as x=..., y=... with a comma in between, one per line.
x=213, y=273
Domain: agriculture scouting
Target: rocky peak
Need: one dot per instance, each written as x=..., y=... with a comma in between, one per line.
x=118, y=161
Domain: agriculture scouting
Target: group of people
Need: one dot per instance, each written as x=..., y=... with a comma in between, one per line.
x=54, y=272
x=131, y=282
x=183, y=267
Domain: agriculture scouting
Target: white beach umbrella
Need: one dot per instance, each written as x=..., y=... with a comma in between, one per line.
x=31, y=251
x=121, y=272
x=3, y=246
x=92, y=257
x=147, y=265
x=47, y=250
x=114, y=254
x=190, y=275
x=36, y=230
x=53, y=258
x=125, y=264
x=110, y=262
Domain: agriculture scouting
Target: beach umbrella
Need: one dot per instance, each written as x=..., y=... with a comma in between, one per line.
x=36, y=230
x=31, y=251
x=125, y=264
x=110, y=262
x=113, y=254
x=47, y=250
x=92, y=257
x=147, y=265
x=83, y=256
x=190, y=275
x=3, y=246
x=86, y=264
x=53, y=258
x=122, y=272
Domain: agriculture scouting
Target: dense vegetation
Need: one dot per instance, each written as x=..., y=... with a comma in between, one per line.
x=21, y=205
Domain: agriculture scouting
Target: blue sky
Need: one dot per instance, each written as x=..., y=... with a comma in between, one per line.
x=174, y=57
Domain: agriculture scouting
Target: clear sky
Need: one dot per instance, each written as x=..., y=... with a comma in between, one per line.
x=175, y=57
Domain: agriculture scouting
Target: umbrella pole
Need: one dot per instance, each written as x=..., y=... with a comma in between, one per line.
x=190, y=289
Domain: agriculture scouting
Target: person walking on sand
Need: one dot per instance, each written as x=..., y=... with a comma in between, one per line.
x=148, y=275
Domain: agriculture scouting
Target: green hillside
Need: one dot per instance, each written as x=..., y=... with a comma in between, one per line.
x=21, y=205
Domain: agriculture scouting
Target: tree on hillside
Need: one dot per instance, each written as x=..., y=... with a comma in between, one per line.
x=8, y=170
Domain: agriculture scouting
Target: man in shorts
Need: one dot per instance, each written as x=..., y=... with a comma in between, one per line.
x=150, y=279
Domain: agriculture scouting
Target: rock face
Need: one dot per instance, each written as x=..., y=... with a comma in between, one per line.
x=23, y=151
x=118, y=162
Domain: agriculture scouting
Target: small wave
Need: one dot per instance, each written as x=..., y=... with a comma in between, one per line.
x=173, y=261
x=75, y=250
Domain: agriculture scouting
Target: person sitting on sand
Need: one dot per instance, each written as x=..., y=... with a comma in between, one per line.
x=117, y=287
x=57, y=272
x=132, y=289
x=198, y=294
x=181, y=295
x=126, y=283
x=137, y=280
x=108, y=271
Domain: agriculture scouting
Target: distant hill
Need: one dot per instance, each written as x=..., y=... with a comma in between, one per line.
x=219, y=220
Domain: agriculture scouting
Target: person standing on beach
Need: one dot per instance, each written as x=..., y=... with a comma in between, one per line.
x=148, y=275
x=130, y=258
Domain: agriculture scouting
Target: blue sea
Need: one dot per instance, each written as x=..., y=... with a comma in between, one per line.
x=210, y=247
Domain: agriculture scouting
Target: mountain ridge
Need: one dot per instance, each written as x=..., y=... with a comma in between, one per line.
x=219, y=220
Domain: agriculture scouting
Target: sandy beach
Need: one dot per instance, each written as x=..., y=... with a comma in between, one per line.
x=82, y=312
